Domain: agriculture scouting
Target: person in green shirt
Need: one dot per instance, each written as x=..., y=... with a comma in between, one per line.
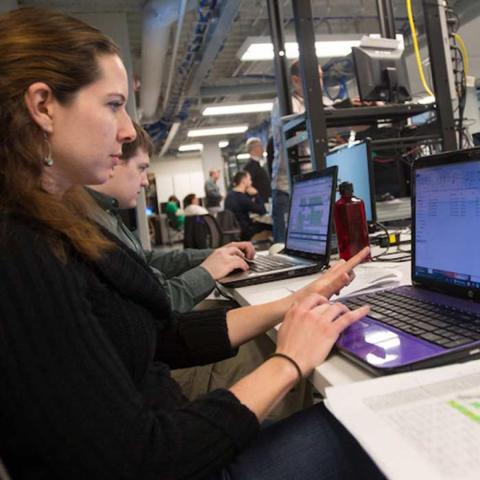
x=175, y=213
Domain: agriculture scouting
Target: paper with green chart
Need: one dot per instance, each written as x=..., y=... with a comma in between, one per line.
x=423, y=424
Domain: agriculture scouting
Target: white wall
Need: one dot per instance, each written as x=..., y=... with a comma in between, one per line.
x=178, y=176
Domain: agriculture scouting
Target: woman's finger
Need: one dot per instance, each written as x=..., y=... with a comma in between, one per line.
x=345, y=320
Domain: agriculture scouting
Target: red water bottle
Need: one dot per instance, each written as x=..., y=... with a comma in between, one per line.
x=350, y=222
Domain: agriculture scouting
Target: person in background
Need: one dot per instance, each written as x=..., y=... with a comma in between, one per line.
x=212, y=192
x=243, y=200
x=255, y=167
x=187, y=276
x=191, y=206
x=88, y=338
x=175, y=213
x=280, y=182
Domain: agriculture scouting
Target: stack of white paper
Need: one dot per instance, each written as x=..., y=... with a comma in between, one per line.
x=420, y=425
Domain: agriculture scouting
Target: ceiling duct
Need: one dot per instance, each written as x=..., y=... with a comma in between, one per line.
x=158, y=17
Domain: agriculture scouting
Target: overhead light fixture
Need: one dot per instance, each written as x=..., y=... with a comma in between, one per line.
x=191, y=147
x=237, y=108
x=223, y=143
x=326, y=46
x=243, y=156
x=208, y=132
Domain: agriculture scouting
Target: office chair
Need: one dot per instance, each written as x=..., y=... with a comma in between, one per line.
x=231, y=231
x=202, y=231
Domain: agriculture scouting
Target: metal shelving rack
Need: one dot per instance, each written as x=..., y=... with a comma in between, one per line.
x=312, y=127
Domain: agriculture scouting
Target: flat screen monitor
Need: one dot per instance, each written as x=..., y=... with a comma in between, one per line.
x=381, y=72
x=355, y=166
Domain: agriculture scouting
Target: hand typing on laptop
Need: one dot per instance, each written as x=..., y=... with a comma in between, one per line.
x=312, y=324
x=231, y=257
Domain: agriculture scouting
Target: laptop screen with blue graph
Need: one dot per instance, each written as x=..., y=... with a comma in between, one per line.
x=309, y=217
x=354, y=165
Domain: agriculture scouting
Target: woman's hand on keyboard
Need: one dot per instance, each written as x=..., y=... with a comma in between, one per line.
x=311, y=328
x=335, y=278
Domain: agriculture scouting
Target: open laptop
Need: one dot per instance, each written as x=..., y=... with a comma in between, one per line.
x=437, y=319
x=307, y=246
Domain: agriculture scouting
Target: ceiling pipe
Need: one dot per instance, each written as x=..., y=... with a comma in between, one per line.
x=181, y=17
x=171, y=135
x=235, y=90
x=158, y=17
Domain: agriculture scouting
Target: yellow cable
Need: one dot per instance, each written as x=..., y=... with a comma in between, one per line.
x=415, y=47
x=464, y=51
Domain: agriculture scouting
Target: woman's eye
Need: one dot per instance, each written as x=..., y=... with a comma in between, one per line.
x=115, y=105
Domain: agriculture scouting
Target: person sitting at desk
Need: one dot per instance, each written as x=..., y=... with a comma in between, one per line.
x=175, y=213
x=191, y=206
x=187, y=276
x=242, y=200
x=88, y=338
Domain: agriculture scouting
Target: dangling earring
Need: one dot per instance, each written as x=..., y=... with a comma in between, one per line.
x=48, y=160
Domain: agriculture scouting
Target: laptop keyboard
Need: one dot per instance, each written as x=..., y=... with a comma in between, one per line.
x=445, y=326
x=267, y=263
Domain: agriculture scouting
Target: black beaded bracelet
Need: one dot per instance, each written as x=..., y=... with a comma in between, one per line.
x=291, y=360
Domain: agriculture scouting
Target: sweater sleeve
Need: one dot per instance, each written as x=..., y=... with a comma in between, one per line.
x=186, y=290
x=67, y=398
x=177, y=262
x=195, y=338
x=252, y=204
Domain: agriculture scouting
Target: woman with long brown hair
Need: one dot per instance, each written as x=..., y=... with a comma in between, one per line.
x=87, y=339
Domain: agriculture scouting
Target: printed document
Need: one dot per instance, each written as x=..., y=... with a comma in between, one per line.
x=423, y=424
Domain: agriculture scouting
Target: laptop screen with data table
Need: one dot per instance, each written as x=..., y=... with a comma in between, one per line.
x=309, y=218
x=447, y=224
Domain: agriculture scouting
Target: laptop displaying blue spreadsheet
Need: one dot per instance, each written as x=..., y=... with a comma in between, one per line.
x=437, y=319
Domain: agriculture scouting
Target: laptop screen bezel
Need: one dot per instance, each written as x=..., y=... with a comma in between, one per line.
x=371, y=179
x=318, y=257
x=446, y=158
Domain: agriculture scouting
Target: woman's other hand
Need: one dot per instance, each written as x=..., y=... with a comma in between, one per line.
x=311, y=328
x=335, y=278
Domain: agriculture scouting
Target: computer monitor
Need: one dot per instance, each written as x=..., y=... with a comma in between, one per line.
x=355, y=165
x=381, y=71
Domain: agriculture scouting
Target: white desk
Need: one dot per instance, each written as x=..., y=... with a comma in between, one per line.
x=336, y=370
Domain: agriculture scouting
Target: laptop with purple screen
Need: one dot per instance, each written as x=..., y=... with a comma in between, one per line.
x=437, y=319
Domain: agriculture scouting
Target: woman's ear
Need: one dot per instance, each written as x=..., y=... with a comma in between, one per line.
x=39, y=100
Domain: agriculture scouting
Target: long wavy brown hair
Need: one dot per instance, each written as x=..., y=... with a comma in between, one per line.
x=38, y=45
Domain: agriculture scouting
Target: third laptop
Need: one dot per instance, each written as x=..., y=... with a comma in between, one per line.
x=307, y=244
x=436, y=320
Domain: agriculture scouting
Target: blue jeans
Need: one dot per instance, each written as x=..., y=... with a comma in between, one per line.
x=280, y=203
x=310, y=445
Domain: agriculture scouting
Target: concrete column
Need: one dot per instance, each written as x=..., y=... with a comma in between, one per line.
x=212, y=158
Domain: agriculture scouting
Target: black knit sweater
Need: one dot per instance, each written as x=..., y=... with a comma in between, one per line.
x=85, y=352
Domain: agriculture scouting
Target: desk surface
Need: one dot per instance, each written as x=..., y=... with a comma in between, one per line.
x=337, y=370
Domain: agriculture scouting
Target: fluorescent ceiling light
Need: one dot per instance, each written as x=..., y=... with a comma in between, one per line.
x=326, y=46
x=243, y=156
x=208, y=132
x=238, y=108
x=190, y=147
x=223, y=143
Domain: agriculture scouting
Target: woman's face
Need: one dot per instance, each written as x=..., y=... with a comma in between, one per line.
x=88, y=133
